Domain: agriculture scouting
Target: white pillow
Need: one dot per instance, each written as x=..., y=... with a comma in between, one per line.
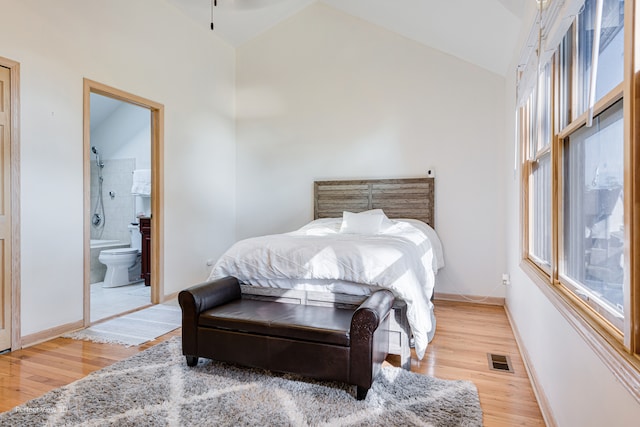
x=361, y=223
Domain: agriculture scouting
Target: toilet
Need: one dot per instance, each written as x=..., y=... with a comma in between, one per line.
x=123, y=265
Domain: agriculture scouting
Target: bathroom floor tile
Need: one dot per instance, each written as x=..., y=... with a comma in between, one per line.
x=106, y=302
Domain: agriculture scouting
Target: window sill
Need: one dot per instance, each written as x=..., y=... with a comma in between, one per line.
x=624, y=366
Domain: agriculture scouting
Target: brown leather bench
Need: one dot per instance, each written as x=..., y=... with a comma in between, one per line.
x=325, y=343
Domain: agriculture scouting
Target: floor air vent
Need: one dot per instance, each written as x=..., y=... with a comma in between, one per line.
x=499, y=362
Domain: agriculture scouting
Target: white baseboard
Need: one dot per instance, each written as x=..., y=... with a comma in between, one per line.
x=469, y=298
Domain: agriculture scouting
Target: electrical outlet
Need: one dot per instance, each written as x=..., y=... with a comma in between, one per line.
x=505, y=279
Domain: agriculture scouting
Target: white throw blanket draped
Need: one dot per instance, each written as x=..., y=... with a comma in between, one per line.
x=400, y=259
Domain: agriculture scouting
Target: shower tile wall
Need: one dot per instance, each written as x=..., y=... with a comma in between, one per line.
x=119, y=210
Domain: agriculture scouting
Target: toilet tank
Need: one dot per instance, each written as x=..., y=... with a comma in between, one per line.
x=136, y=237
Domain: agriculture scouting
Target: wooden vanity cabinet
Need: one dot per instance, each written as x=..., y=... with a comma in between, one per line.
x=145, y=230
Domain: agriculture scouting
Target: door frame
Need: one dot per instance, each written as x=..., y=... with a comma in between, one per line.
x=157, y=190
x=14, y=70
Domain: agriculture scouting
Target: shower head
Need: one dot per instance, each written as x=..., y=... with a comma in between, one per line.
x=99, y=163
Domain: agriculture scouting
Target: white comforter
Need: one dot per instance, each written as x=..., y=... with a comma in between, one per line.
x=399, y=258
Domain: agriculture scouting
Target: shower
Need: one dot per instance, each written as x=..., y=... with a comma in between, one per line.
x=98, y=218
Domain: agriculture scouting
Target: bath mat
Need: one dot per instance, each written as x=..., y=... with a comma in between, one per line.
x=134, y=328
x=157, y=388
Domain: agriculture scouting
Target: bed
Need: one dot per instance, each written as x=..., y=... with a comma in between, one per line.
x=388, y=245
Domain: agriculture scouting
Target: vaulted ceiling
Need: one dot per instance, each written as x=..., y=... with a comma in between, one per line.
x=483, y=32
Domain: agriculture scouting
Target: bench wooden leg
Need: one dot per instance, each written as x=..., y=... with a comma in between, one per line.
x=361, y=392
x=192, y=360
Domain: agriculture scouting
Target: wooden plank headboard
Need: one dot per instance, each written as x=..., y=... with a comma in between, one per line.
x=399, y=198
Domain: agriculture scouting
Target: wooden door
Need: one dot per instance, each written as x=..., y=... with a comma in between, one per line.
x=5, y=208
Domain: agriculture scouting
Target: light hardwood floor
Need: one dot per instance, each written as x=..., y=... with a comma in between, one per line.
x=465, y=334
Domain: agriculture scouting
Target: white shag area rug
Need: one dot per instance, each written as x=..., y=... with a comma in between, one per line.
x=134, y=328
x=157, y=388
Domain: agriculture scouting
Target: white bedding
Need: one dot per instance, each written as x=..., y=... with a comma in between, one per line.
x=400, y=257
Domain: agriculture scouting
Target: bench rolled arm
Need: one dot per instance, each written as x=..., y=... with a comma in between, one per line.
x=199, y=298
x=207, y=295
x=369, y=341
x=372, y=311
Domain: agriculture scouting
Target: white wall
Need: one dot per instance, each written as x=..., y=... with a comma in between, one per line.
x=148, y=48
x=124, y=134
x=324, y=95
x=579, y=388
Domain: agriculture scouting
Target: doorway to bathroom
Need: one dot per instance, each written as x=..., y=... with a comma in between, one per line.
x=122, y=146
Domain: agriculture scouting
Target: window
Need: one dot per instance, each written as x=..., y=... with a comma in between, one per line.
x=576, y=219
x=593, y=222
x=610, y=64
x=539, y=155
x=563, y=70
